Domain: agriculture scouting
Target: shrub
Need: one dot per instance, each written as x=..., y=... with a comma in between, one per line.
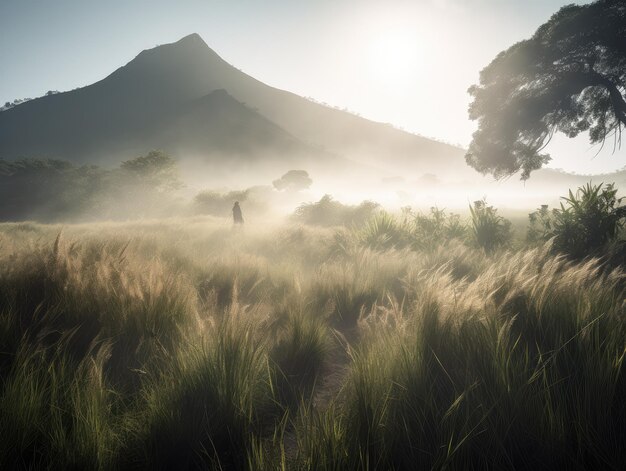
x=328, y=212
x=436, y=228
x=588, y=221
x=218, y=204
x=294, y=180
x=383, y=232
x=421, y=232
x=540, y=225
x=489, y=230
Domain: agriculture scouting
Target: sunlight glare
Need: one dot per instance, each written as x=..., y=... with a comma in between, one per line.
x=395, y=56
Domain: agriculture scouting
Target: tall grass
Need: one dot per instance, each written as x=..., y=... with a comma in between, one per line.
x=153, y=345
x=207, y=408
x=57, y=412
x=523, y=370
x=94, y=292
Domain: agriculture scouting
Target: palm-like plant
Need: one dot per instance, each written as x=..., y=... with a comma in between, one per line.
x=489, y=230
x=383, y=232
x=586, y=220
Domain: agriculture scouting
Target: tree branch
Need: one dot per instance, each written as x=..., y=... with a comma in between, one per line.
x=617, y=100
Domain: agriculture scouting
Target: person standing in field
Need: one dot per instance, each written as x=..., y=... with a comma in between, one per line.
x=237, y=216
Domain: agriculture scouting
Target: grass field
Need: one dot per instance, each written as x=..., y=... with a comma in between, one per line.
x=183, y=344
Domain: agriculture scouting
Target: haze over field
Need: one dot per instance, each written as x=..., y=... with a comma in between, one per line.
x=228, y=130
x=203, y=268
x=407, y=63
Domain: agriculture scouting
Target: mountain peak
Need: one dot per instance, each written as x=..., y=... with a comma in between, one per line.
x=193, y=38
x=127, y=111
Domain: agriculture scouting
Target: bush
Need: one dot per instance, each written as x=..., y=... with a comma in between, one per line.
x=328, y=212
x=588, y=221
x=436, y=228
x=213, y=203
x=420, y=232
x=383, y=232
x=294, y=180
x=489, y=230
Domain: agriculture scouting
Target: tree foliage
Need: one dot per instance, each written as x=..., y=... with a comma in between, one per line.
x=51, y=190
x=569, y=77
x=293, y=180
x=155, y=169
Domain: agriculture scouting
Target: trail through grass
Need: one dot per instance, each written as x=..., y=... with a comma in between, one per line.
x=182, y=344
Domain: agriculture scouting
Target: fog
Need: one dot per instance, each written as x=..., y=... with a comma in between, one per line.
x=394, y=188
x=158, y=185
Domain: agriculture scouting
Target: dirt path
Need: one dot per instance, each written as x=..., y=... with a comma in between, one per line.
x=328, y=387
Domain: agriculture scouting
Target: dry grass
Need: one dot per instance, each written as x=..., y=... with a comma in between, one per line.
x=182, y=344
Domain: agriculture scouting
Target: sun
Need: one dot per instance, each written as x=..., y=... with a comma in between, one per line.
x=395, y=56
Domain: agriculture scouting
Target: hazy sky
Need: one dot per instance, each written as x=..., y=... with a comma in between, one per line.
x=408, y=63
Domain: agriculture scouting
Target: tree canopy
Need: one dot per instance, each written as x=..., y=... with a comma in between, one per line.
x=569, y=77
x=156, y=169
x=53, y=190
x=293, y=180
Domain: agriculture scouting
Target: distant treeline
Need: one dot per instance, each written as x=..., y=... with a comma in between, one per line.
x=48, y=190
x=18, y=101
x=52, y=190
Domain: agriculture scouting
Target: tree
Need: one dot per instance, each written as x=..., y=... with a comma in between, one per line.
x=569, y=77
x=293, y=180
x=156, y=169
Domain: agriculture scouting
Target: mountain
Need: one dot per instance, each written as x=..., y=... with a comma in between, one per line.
x=165, y=98
x=185, y=99
x=219, y=122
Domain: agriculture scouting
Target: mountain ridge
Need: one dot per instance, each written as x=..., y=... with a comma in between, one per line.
x=106, y=119
x=118, y=117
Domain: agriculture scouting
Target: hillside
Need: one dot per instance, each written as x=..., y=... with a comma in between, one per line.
x=185, y=99
x=119, y=115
